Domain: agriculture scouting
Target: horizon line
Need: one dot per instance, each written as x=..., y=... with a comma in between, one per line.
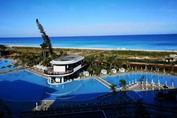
x=90, y=35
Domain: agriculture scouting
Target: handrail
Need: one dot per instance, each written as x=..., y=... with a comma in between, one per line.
x=51, y=72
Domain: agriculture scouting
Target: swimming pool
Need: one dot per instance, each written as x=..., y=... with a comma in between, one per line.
x=26, y=86
x=136, y=77
x=6, y=65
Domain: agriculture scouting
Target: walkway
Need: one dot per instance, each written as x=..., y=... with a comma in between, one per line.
x=104, y=82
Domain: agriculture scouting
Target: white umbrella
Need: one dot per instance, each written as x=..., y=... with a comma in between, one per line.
x=103, y=71
x=164, y=71
x=158, y=82
x=146, y=81
x=86, y=73
x=172, y=84
x=36, y=106
x=114, y=70
x=122, y=70
x=132, y=82
x=142, y=82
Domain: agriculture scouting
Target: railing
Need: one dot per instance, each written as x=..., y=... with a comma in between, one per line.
x=70, y=70
x=51, y=72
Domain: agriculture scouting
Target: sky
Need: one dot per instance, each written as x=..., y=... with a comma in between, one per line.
x=87, y=17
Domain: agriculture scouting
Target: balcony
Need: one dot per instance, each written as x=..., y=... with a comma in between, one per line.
x=69, y=71
x=51, y=72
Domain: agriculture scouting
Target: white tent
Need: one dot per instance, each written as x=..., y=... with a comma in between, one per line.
x=103, y=71
x=113, y=70
x=122, y=70
x=86, y=73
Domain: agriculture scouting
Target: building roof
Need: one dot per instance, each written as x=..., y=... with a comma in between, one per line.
x=69, y=59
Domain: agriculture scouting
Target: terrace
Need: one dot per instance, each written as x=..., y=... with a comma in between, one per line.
x=51, y=72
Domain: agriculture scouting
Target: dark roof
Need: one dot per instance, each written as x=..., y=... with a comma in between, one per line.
x=67, y=58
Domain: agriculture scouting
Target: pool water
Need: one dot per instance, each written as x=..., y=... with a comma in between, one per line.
x=136, y=77
x=26, y=86
x=4, y=65
x=78, y=90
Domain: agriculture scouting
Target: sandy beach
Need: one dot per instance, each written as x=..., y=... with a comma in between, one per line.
x=106, y=49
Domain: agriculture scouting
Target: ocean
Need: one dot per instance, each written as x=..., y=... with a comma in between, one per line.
x=167, y=42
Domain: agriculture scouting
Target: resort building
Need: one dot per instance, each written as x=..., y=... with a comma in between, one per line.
x=64, y=68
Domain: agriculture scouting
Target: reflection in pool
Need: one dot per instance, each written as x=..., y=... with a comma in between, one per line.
x=23, y=85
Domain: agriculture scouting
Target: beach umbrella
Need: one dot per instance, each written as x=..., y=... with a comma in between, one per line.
x=142, y=82
x=86, y=73
x=164, y=70
x=158, y=82
x=166, y=83
x=132, y=82
x=114, y=70
x=152, y=81
x=173, y=84
x=122, y=70
x=36, y=106
x=103, y=71
x=146, y=82
x=152, y=86
x=135, y=68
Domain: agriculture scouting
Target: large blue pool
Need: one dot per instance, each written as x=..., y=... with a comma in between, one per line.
x=26, y=86
x=136, y=77
x=4, y=65
x=23, y=85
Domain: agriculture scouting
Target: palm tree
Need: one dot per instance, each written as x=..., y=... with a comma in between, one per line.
x=45, y=37
x=3, y=67
x=172, y=66
x=142, y=78
x=113, y=88
x=44, y=47
x=9, y=66
x=123, y=83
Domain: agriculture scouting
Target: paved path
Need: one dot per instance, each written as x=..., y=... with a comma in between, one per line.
x=107, y=84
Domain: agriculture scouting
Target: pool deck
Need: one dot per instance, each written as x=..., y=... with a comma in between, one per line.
x=11, y=71
x=36, y=71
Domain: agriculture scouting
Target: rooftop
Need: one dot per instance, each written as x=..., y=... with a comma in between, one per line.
x=69, y=59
